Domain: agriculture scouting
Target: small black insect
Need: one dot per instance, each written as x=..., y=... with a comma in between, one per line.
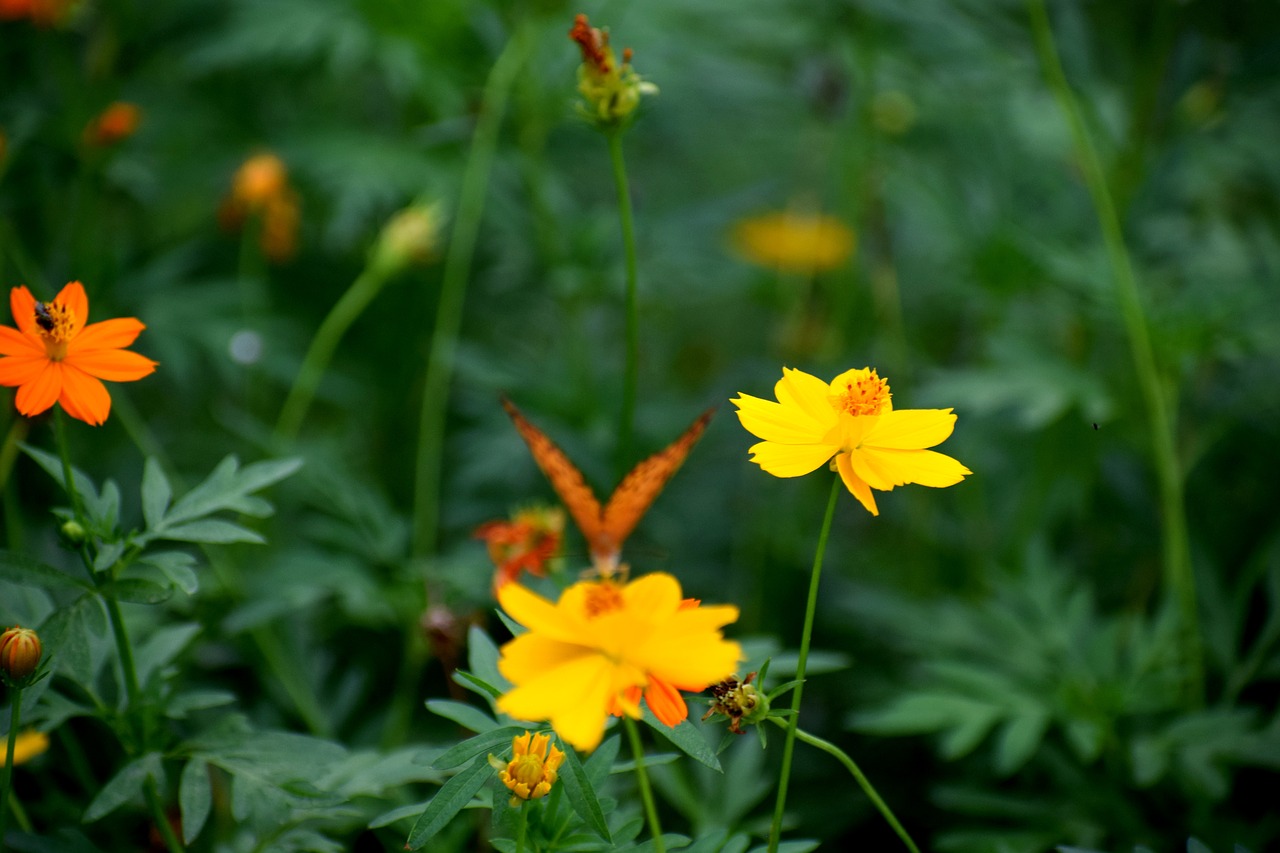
x=43, y=318
x=1095, y=426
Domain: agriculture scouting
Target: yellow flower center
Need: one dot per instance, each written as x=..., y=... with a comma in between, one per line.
x=604, y=597
x=867, y=395
x=54, y=322
x=526, y=769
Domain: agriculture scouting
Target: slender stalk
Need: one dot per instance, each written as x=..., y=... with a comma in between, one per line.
x=1178, y=574
x=631, y=373
x=642, y=779
x=524, y=826
x=352, y=304
x=863, y=782
x=19, y=815
x=453, y=289
x=6, y=780
x=162, y=820
x=784, y=778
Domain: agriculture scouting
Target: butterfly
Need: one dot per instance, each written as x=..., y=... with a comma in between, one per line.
x=606, y=528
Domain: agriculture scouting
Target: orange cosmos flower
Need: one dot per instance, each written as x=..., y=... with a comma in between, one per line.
x=114, y=124
x=53, y=357
x=526, y=543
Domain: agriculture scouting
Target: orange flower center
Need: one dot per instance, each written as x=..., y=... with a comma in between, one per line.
x=604, y=597
x=867, y=396
x=55, y=323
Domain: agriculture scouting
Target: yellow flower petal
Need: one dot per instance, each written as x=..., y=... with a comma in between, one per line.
x=911, y=429
x=922, y=467
x=775, y=422
x=800, y=390
x=791, y=460
x=534, y=612
x=855, y=484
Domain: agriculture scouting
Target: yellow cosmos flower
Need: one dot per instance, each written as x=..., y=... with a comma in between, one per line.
x=28, y=745
x=852, y=419
x=794, y=242
x=604, y=643
x=532, y=769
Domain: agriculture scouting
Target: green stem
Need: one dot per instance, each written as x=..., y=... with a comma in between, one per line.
x=631, y=374
x=453, y=290
x=162, y=820
x=19, y=815
x=6, y=781
x=524, y=825
x=784, y=778
x=1178, y=574
x=863, y=782
x=352, y=304
x=642, y=778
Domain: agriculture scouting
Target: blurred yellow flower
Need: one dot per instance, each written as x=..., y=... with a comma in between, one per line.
x=604, y=642
x=29, y=744
x=851, y=418
x=611, y=92
x=532, y=769
x=794, y=242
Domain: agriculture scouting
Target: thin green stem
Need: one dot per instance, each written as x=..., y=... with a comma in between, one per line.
x=1178, y=574
x=642, y=779
x=162, y=820
x=631, y=371
x=453, y=290
x=524, y=826
x=855, y=771
x=793, y=722
x=6, y=780
x=325, y=343
x=19, y=815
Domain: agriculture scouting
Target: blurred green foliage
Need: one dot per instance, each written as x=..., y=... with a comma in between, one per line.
x=1014, y=684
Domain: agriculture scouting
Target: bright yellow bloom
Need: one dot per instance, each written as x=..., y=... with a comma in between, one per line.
x=53, y=357
x=852, y=419
x=794, y=242
x=532, y=769
x=604, y=642
x=28, y=745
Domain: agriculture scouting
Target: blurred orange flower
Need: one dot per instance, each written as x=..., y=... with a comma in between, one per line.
x=53, y=357
x=526, y=543
x=42, y=12
x=261, y=190
x=114, y=124
x=794, y=242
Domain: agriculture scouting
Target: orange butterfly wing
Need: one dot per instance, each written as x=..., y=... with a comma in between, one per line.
x=565, y=478
x=606, y=529
x=638, y=489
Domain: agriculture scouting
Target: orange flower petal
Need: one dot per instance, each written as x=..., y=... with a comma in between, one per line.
x=115, y=365
x=665, y=702
x=19, y=370
x=84, y=397
x=13, y=342
x=109, y=334
x=42, y=392
x=23, y=306
x=76, y=300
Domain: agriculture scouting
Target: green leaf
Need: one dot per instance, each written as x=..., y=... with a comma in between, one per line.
x=601, y=761
x=482, y=659
x=162, y=647
x=156, y=493
x=463, y=714
x=195, y=797
x=452, y=798
x=139, y=591
x=475, y=685
x=124, y=786
x=687, y=738
x=211, y=530
x=1018, y=740
x=22, y=570
x=227, y=486
x=53, y=467
x=177, y=566
x=581, y=793
x=498, y=739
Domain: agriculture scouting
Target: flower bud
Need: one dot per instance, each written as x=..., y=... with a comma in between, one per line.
x=19, y=654
x=73, y=530
x=411, y=236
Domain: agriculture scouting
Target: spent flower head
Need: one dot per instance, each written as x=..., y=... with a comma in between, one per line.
x=851, y=423
x=603, y=645
x=740, y=701
x=610, y=90
x=533, y=768
x=54, y=357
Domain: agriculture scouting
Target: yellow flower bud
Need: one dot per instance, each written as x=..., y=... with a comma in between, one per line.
x=19, y=654
x=411, y=236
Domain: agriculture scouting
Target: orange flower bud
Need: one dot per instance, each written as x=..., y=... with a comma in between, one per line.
x=19, y=653
x=114, y=124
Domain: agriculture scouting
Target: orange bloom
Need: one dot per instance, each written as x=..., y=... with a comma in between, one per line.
x=261, y=189
x=53, y=357
x=526, y=543
x=116, y=123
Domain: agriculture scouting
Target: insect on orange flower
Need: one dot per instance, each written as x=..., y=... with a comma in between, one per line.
x=606, y=527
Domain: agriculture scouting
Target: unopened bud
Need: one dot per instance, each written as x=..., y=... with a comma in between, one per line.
x=73, y=530
x=19, y=655
x=411, y=236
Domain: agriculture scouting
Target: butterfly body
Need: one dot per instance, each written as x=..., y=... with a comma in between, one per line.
x=606, y=527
